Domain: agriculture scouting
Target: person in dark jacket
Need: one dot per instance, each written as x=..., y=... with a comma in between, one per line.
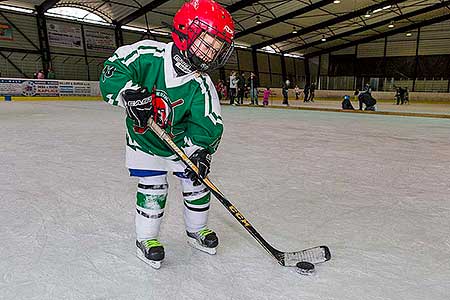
x=285, y=91
x=406, y=97
x=253, y=86
x=367, y=99
x=401, y=95
x=312, y=90
x=306, y=93
x=241, y=89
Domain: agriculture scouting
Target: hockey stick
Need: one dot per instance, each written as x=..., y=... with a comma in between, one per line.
x=316, y=254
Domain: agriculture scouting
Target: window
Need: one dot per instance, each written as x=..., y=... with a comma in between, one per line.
x=75, y=13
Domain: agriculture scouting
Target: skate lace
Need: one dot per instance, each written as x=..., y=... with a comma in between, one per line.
x=205, y=232
x=151, y=243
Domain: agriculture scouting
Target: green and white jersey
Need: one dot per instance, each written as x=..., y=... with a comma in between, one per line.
x=188, y=106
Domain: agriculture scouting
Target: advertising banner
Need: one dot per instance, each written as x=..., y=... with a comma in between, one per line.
x=48, y=88
x=23, y=87
x=75, y=88
x=97, y=40
x=6, y=32
x=64, y=35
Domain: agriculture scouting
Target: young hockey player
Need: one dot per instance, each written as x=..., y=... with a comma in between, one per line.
x=167, y=82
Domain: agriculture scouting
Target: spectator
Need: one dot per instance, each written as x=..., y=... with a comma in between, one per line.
x=241, y=88
x=285, y=91
x=346, y=103
x=40, y=75
x=312, y=89
x=233, y=87
x=50, y=74
x=267, y=93
x=253, y=84
x=368, y=88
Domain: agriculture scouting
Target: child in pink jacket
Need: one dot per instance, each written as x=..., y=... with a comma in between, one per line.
x=267, y=93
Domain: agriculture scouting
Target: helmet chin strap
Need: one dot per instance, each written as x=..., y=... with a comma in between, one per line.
x=181, y=63
x=180, y=58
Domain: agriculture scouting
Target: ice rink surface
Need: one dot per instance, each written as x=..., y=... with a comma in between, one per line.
x=374, y=188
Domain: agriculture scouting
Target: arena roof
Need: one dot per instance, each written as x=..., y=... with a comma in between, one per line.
x=289, y=26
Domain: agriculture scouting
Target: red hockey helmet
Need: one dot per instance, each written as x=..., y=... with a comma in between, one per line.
x=205, y=31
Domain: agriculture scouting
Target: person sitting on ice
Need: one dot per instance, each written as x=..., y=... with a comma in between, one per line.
x=346, y=103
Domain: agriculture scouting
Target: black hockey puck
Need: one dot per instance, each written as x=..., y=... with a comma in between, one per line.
x=305, y=268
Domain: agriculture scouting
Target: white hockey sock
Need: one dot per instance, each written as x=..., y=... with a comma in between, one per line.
x=196, y=205
x=150, y=202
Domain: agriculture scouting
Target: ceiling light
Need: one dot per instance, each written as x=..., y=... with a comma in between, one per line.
x=294, y=31
x=367, y=15
x=408, y=34
x=133, y=28
x=258, y=20
x=391, y=25
x=337, y=1
x=323, y=39
x=19, y=9
x=387, y=6
x=377, y=10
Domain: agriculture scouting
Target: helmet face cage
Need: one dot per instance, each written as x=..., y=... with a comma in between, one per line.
x=207, y=48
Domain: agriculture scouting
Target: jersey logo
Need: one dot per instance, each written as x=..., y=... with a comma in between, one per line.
x=162, y=107
x=108, y=72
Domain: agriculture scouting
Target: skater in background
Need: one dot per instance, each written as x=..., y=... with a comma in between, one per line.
x=406, y=97
x=267, y=93
x=241, y=88
x=399, y=95
x=233, y=87
x=253, y=85
x=297, y=92
x=367, y=99
x=221, y=89
x=168, y=85
x=312, y=90
x=306, y=93
x=285, y=91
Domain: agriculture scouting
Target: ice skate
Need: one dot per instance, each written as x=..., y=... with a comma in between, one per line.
x=151, y=252
x=204, y=240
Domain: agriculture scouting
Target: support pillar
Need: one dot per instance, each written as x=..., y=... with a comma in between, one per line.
x=416, y=61
x=43, y=41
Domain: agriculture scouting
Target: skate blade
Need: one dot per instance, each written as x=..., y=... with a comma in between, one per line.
x=193, y=242
x=152, y=263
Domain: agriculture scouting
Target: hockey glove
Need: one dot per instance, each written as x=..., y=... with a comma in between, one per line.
x=138, y=104
x=202, y=159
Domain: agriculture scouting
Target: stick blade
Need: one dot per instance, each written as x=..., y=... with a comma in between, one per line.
x=315, y=255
